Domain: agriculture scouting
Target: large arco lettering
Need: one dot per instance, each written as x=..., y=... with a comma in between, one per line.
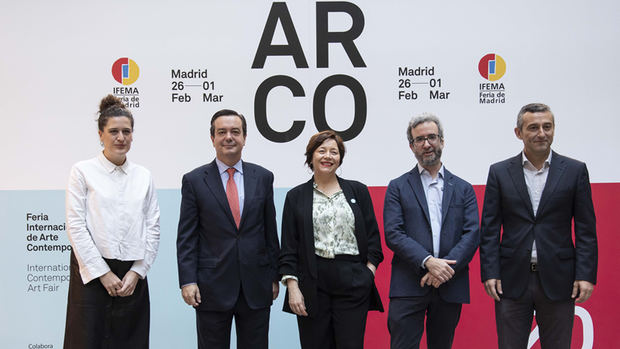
x=359, y=97
x=318, y=106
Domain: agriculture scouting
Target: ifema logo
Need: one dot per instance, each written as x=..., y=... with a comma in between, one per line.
x=492, y=67
x=125, y=71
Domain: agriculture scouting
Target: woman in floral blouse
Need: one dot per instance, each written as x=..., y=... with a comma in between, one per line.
x=330, y=251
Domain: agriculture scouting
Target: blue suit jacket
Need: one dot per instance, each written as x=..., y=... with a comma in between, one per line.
x=408, y=233
x=213, y=253
x=566, y=198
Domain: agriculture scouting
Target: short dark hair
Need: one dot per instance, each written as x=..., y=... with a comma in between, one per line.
x=229, y=112
x=533, y=108
x=318, y=139
x=110, y=107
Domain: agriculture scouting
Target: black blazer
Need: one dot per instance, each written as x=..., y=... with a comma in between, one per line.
x=217, y=256
x=298, y=257
x=566, y=197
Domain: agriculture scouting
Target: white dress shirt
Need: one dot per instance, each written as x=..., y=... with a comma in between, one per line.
x=433, y=189
x=112, y=212
x=535, y=181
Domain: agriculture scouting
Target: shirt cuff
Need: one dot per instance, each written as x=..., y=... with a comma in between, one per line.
x=139, y=267
x=424, y=261
x=286, y=277
x=93, y=270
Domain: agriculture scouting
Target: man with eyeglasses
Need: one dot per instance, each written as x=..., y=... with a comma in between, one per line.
x=431, y=223
x=535, y=198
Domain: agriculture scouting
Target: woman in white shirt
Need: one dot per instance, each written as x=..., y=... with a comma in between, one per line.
x=113, y=225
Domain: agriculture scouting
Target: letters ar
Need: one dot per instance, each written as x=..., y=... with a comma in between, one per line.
x=279, y=13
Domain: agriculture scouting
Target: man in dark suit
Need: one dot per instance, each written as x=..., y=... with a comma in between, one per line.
x=227, y=243
x=431, y=223
x=534, y=198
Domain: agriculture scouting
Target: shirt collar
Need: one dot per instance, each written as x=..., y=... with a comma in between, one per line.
x=525, y=161
x=316, y=188
x=423, y=170
x=111, y=167
x=222, y=167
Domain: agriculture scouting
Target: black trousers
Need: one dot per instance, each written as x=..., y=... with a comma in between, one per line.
x=343, y=298
x=96, y=320
x=406, y=321
x=513, y=318
x=251, y=325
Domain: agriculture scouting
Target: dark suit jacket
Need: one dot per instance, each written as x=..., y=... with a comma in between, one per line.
x=408, y=233
x=566, y=197
x=213, y=253
x=298, y=256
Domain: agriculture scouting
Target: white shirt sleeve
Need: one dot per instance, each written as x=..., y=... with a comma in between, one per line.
x=151, y=215
x=90, y=261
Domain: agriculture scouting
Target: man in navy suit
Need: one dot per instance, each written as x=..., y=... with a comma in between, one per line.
x=227, y=243
x=431, y=223
x=534, y=198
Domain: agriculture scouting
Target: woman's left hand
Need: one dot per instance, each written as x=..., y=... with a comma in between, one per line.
x=130, y=280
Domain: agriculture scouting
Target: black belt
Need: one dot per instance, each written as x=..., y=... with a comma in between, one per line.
x=533, y=266
x=342, y=257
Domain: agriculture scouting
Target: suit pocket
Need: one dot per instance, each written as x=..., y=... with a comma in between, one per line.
x=207, y=263
x=506, y=252
x=566, y=253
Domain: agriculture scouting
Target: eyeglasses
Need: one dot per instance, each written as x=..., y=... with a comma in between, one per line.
x=432, y=139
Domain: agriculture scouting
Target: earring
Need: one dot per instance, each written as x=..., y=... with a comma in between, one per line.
x=101, y=142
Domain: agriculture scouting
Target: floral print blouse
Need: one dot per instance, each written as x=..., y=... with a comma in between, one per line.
x=334, y=225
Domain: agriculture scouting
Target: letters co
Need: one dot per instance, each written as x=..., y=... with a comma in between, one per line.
x=279, y=13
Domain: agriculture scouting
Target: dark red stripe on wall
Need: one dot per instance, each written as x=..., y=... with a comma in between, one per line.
x=477, y=325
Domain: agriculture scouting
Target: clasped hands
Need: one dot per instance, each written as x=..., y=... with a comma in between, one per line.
x=439, y=272
x=117, y=287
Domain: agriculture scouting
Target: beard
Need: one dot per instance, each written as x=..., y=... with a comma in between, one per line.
x=429, y=161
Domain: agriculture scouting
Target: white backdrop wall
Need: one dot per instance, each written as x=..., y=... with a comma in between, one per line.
x=56, y=64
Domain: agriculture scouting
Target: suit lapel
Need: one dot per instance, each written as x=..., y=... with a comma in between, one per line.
x=249, y=188
x=308, y=229
x=213, y=180
x=518, y=179
x=556, y=169
x=418, y=190
x=448, y=191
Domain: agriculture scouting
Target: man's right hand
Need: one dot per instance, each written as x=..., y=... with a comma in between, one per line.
x=494, y=288
x=440, y=268
x=191, y=294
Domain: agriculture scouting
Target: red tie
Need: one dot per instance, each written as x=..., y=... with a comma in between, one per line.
x=233, y=196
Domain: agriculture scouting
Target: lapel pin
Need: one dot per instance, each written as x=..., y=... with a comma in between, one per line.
x=353, y=201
